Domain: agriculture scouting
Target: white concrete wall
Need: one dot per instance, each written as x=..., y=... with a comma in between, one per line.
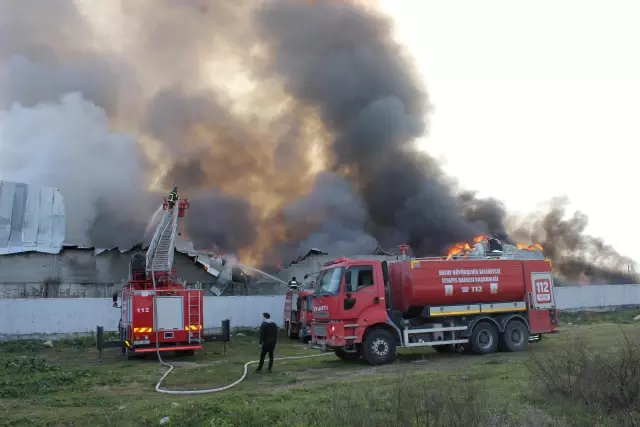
x=82, y=315
x=596, y=296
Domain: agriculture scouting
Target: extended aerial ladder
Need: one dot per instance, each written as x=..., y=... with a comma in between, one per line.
x=161, y=248
x=159, y=260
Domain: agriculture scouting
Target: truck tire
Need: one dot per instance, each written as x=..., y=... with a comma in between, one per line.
x=515, y=337
x=379, y=347
x=346, y=356
x=484, y=338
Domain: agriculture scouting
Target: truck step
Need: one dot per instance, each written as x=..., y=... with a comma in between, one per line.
x=432, y=343
x=443, y=329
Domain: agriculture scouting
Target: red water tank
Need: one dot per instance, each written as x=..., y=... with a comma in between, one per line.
x=419, y=283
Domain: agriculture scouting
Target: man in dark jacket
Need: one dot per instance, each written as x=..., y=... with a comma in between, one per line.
x=268, y=338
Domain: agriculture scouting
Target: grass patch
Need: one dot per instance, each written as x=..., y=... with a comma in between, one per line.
x=600, y=385
x=66, y=385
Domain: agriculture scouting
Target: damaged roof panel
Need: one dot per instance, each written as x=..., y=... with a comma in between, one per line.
x=32, y=219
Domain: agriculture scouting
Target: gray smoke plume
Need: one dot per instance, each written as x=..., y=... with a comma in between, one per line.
x=288, y=124
x=331, y=218
x=577, y=257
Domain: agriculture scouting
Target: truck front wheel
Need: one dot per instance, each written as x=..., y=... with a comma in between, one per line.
x=379, y=348
x=484, y=338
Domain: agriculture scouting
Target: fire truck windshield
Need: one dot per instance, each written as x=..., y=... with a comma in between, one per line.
x=329, y=282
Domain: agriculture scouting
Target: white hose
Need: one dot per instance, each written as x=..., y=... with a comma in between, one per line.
x=168, y=365
x=227, y=387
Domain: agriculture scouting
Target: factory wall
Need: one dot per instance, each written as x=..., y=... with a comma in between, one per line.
x=78, y=273
x=65, y=316
x=596, y=296
x=80, y=266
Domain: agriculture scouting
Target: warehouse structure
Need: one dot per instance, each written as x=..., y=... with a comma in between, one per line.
x=38, y=259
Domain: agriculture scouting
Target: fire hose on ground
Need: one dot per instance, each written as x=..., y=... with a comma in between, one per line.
x=171, y=367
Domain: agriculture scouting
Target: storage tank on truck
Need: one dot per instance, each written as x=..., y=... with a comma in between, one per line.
x=440, y=283
x=368, y=308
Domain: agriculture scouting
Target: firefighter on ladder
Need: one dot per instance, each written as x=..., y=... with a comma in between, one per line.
x=173, y=197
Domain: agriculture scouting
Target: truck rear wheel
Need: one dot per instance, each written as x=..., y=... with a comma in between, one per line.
x=515, y=337
x=346, y=356
x=484, y=338
x=379, y=347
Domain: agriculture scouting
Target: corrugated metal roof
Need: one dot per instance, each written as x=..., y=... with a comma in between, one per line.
x=32, y=219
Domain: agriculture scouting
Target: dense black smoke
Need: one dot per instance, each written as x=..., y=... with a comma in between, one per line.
x=288, y=124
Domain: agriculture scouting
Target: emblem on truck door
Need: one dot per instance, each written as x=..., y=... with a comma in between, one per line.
x=542, y=284
x=321, y=308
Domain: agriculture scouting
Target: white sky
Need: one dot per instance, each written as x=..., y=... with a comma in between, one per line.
x=548, y=89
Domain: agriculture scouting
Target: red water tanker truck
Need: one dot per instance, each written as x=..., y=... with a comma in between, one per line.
x=368, y=308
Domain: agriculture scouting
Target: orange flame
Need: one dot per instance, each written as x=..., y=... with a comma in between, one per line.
x=480, y=238
x=534, y=247
x=463, y=248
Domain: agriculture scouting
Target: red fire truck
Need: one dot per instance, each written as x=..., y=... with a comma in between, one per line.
x=368, y=308
x=298, y=313
x=155, y=304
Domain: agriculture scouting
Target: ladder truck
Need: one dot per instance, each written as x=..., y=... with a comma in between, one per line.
x=157, y=307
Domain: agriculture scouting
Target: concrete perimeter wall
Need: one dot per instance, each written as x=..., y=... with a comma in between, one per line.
x=596, y=296
x=64, y=316
x=81, y=315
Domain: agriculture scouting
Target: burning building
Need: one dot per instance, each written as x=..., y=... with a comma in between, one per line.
x=39, y=259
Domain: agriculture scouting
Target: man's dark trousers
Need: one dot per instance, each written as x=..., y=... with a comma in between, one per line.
x=267, y=348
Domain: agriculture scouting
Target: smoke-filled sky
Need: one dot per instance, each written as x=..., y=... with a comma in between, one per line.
x=288, y=124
